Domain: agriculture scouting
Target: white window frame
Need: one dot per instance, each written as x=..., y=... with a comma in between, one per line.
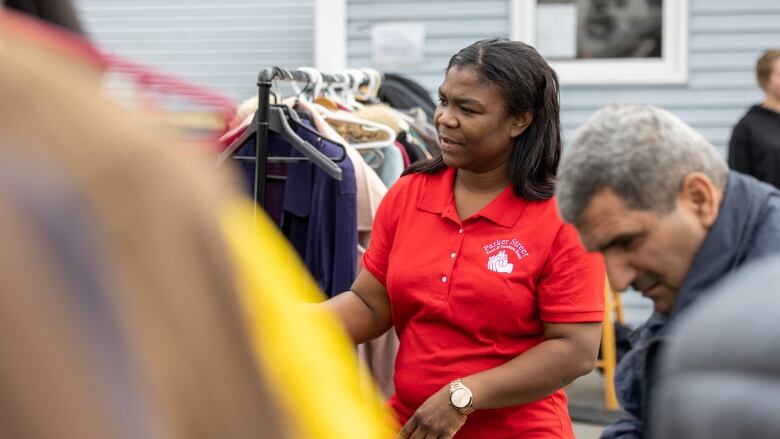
x=671, y=69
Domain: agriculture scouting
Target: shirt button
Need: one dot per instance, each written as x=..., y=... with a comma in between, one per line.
x=460, y=231
x=452, y=255
x=444, y=278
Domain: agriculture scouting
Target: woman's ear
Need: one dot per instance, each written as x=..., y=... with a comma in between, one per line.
x=520, y=123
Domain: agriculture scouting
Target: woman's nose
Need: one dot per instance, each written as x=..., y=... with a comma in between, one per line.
x=444, y=116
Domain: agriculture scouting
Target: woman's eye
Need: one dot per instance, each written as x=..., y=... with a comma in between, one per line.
x=442, y=101
x=466, y=110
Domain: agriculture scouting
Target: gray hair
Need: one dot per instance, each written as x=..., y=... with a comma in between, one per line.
x=641, y=152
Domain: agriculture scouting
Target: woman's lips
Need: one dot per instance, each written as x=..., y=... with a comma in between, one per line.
x=447, y=144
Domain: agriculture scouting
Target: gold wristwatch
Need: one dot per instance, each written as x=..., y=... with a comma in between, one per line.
x=461, y=397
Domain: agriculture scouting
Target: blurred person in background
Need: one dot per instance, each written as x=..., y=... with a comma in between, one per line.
x=721, y=370
x=496, y=304
x=134, y=299
x=658, y=201
x=120, y=311
x=754, y=148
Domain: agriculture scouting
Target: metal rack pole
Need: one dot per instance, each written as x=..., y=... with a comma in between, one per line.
x=261, y=138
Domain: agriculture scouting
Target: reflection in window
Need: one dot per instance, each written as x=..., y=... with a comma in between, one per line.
x=584, y=29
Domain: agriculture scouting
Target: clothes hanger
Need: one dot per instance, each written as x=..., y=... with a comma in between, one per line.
x=279, y=124
x=334, y=93
x=368, y=93
x=368, y=125
x=356, y=78
x=365, y=124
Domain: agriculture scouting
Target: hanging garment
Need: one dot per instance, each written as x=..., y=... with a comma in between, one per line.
x=316, y=213
x=404, y=93
x=392, y=164
x=414, y=152
x=407, y=161
x=377, y=355
x=369, y=187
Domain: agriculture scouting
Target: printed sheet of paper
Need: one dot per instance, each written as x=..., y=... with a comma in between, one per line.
x=398, y=44
x=556, y=31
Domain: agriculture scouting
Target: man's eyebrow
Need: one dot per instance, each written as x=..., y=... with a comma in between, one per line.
x=604, y=247
x=614, y=241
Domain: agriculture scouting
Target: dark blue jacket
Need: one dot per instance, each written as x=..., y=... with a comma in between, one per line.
x=747, y=228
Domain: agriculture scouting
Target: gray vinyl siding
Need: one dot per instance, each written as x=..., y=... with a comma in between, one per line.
x=220, y=44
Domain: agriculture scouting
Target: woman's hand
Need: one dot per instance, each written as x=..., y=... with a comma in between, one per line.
x=435, y=418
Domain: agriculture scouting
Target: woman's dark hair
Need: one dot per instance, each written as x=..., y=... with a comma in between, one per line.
x=528, y=84
x=58, y=12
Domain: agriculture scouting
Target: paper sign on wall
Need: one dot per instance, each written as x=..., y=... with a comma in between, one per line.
x=398, y=44
x=556, y=31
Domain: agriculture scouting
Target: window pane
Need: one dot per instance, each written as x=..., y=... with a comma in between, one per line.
x=583, y=29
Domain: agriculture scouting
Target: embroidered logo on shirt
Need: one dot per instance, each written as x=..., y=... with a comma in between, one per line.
x=500, y=263
x=498, y=259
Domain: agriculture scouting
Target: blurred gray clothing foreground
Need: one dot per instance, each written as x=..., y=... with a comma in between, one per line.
x=721, y=371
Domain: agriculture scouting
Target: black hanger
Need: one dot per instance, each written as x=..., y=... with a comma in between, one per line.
x=295, y=120
x=278, y=122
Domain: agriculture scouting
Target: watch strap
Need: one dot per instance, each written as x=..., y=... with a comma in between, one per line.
x=458, y=384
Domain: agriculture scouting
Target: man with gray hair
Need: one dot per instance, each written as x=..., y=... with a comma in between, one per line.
x=656, y=199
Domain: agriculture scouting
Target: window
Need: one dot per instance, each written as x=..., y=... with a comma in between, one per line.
x=607, y=41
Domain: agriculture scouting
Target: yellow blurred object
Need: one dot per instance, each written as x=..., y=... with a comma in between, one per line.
x=608, y=360
x=309, y=361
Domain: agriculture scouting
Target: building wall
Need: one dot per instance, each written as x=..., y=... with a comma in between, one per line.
x=220, y=44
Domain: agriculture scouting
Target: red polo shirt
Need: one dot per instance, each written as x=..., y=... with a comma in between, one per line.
x=471, y=295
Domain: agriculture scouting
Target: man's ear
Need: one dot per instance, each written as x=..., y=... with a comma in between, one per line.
x=701, y=197
x=520, y=123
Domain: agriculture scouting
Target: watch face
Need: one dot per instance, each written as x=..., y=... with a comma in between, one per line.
x=460, y=398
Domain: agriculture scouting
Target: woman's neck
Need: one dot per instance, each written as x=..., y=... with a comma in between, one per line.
x=490, y=181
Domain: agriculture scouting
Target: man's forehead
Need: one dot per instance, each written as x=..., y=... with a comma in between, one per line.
x=606, y=216
x=603, y=205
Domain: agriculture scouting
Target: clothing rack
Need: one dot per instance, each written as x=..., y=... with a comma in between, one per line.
x=264, y=83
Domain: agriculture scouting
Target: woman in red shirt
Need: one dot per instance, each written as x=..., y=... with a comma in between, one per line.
x=496, y=303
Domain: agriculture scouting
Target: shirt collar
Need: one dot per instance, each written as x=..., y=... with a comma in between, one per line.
x=439, y=197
